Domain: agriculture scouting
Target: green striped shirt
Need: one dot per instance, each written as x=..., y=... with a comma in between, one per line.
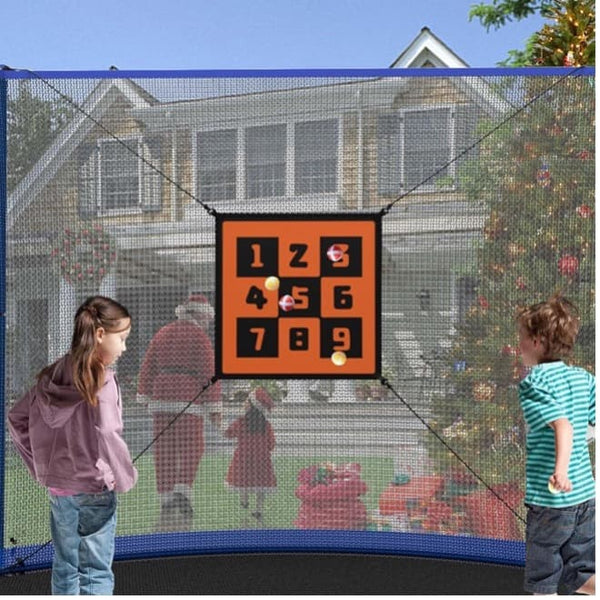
x=552, y=391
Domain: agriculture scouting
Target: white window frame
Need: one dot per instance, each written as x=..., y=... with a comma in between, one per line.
x=430, y=186
x=127, y=210
x=196, y=170
x=240, y=183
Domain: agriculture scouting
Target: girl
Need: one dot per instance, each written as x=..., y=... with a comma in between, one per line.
x=67, y=429
x=251, y=469
x=558, y=402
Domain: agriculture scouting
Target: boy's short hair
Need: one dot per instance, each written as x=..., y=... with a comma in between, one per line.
x=555, y=322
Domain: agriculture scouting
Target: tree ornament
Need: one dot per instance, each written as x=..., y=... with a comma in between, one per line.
x=568, y=265
x=515, y=250
x=484, y=391
x=584, y=155
x=85, y=255
x=483, y=302
x=543, y=175
x=509, y=350
x=584, y=211
x=569, y=59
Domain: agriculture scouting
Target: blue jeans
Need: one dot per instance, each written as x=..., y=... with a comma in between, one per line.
x=83, y=532
x=560, y=548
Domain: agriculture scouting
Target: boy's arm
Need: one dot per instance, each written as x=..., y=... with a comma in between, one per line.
x=563, y=440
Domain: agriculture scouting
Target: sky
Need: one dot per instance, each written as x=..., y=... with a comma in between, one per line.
x=65, y=35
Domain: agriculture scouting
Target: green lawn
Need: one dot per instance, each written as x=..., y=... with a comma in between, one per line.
x=26, y=503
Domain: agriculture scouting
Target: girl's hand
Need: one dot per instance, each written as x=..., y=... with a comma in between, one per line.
x=560, y=482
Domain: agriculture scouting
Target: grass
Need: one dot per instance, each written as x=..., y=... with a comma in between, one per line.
x=216, y=508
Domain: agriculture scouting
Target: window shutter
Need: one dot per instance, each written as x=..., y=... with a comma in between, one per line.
x=88, y=182
x=389, y=155
x=151, y=178
x=466, y=119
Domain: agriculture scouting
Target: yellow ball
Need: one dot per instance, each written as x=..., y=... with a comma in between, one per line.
x=272, y=283
x=338, y=358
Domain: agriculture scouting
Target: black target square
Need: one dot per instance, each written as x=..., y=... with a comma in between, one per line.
x=351, y=263
x=343, y=335
x=257, y=256
x=257, y=338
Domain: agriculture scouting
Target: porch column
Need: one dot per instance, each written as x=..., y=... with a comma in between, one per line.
x=297, y=391
x=108, y=286
x=343, y=391
x=62, y=311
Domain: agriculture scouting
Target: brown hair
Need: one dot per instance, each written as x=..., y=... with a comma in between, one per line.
x=555, y=322
x=88, y=370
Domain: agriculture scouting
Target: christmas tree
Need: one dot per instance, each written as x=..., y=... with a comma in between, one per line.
x=570, y=40
x=536, y=175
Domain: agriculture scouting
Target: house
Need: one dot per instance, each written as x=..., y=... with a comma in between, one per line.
x=145, y=163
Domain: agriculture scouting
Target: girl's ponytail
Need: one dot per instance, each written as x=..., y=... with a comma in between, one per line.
x=88, y=370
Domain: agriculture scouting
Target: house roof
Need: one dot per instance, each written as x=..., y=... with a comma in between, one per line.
x=427, y=50
x=67, y=140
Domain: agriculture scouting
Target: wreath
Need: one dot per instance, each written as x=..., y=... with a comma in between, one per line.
x=85, y=255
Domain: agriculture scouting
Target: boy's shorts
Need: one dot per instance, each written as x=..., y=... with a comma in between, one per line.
x=560, y=547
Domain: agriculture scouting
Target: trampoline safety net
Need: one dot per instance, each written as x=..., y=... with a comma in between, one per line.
x=322, y=271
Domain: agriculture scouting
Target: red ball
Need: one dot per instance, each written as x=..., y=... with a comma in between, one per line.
x=335, y=253
x=286, y=303
x=584, y=211
x=568, y=265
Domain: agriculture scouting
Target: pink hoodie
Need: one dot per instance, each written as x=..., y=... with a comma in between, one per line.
x=68, y=444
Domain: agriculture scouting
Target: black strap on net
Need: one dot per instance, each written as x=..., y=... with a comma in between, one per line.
x=19, y=562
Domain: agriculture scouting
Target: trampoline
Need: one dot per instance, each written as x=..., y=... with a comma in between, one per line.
x=360, y=240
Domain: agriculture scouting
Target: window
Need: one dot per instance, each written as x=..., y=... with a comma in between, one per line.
x=119, y=174
x=316, y=157
x=113, y=177
x=216, y=160
x=412, y=146
x=265, y=161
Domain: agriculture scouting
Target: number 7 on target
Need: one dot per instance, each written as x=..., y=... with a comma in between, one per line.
x=259, y=332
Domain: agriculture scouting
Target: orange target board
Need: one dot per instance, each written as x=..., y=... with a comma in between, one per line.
x=298, y=296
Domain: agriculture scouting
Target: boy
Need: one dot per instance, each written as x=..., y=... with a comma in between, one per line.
x=558, y=402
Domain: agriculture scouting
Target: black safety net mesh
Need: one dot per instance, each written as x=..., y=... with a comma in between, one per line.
x=484, y=186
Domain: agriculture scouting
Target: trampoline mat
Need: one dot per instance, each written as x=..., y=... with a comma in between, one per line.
x=249, y=574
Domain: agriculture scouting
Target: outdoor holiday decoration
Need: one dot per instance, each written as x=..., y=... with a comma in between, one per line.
x=569, y=39
x=568, y=265
x=543, y=176
x=533, y=177
x=330, y=496
x=85, y=255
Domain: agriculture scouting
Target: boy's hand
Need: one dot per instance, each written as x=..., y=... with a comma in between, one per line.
x=560, y=482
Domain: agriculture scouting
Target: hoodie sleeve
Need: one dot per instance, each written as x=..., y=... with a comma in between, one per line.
x=18, y=427
x=114, y=458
